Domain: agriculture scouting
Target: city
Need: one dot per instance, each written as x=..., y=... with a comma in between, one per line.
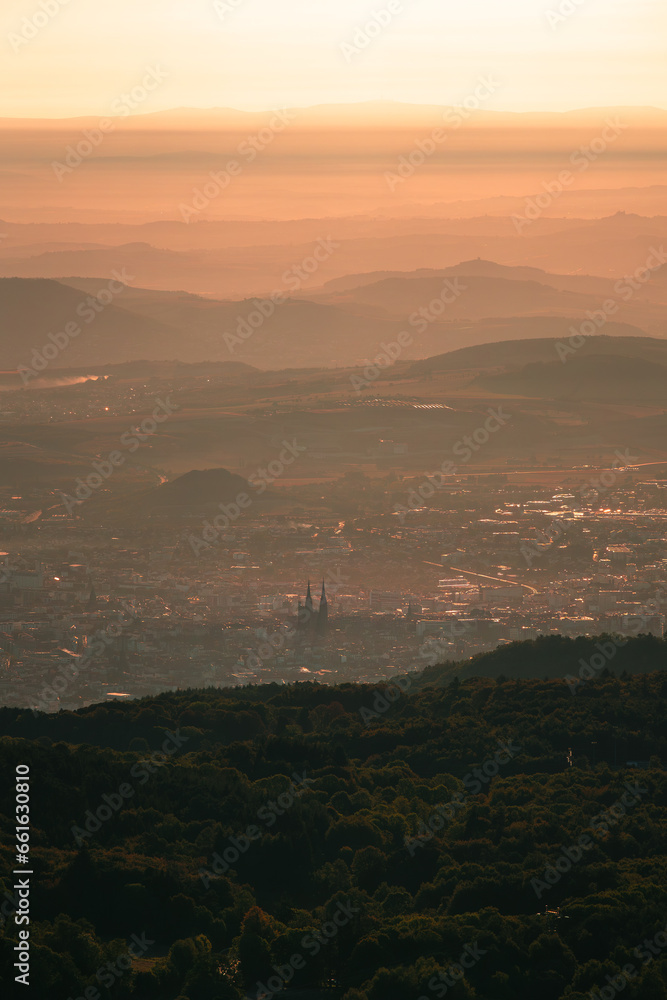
x=485, y=563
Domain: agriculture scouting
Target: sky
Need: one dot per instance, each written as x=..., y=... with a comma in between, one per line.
x=73, y=57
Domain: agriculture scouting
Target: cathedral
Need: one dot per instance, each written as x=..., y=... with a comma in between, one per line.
x=311, y=621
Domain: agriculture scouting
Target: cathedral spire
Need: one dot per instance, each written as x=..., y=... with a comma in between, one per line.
x=323, y=614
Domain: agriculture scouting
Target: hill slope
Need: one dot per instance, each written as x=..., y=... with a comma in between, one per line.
x=592, y=377
x=513, y=353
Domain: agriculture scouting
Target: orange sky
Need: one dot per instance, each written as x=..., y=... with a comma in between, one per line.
x=79, y=56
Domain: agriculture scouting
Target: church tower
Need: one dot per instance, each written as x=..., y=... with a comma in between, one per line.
x=323, y=614
x=309, y=612
x=310, y=620
x=305, y=616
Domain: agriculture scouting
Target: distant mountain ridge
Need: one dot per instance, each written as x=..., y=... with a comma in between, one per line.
x=486, y=302
x=361, y=114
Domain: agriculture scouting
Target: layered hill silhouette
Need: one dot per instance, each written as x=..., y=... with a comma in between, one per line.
x=158, y=326
x=477, y=267
x=480, y=290
x=233, y=260
x=346, y=324
x=584, y=284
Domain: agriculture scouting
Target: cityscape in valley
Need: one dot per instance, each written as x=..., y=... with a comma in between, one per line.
x=333, y=500
x=190, y=598
x=163, y=519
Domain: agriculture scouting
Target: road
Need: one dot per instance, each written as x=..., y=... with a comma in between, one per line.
x=483, y=576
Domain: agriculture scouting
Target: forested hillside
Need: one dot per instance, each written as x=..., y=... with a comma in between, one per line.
x=390, y=844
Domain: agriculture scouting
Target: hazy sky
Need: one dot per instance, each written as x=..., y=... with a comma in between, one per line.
x=279, y=53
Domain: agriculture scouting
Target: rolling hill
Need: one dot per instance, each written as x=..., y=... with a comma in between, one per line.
x=469, y=292
x=513, y=354
x=338, y=329
x=197, y=489
x=30, y=310
x=592, y=377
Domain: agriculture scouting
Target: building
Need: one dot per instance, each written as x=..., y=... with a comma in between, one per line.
x=310, y=621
